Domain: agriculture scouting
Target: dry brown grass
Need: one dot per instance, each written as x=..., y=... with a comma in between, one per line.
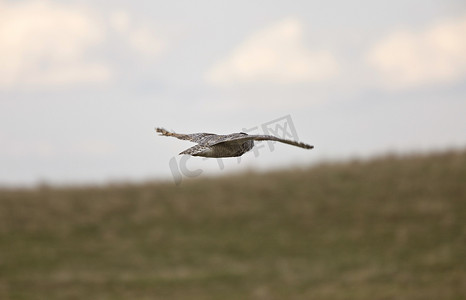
x=390, y=228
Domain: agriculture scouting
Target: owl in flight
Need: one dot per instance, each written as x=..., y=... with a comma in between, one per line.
x=229, y=145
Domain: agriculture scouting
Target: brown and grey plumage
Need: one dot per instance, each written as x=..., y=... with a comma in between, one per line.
x=229, y=145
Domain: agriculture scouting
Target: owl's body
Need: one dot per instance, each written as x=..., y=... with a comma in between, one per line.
x=230, y=145
x=220, y=150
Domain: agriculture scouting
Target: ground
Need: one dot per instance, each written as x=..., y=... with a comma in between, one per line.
x=388, y=228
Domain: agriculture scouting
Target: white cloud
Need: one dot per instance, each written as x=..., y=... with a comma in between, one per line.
x=120, y=21
x=45, y=44
x=143, y=40
x=276, y=55
x=436, y=55
x=140, y=37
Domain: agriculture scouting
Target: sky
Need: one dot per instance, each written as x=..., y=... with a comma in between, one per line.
x=83, y=84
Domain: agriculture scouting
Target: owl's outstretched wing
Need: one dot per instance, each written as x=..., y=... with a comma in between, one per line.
x=205, y=139
x=210, y=139
x=194, y=137
x=240, y=138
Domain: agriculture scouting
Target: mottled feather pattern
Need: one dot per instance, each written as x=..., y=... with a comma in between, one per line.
x=229, y=145
x=194, y=150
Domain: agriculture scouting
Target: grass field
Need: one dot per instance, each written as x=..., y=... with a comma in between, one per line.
x=389, y=228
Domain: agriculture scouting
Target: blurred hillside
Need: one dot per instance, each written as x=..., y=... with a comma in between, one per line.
x=388, y=228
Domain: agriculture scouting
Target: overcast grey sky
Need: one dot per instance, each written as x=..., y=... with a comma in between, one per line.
x=84, y=83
